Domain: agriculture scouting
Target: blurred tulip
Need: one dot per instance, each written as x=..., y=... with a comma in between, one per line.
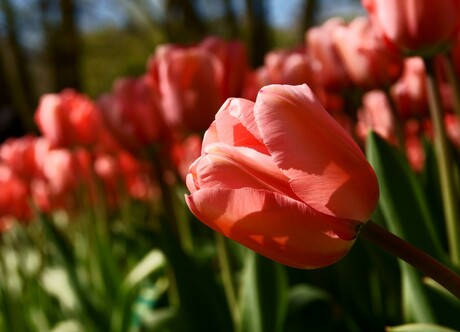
x=189, y=81
x=57, y=188
x=282, y=177
x=132, y=113
x=367, y=61
x=280, y=67
x=184, y=153
x=233, y=57
x=23, y=155
x=14, y=197
x=326, y=63
x=452, y=124
x=68, y=118
x=375, y=115
x=455, y=55
x=421, y=27
x=415, y=151
x=409, y=92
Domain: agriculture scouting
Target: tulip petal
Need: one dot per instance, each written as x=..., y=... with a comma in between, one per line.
x=326, y=168
x=235, y=125
x=276, y=226
x=225, y=166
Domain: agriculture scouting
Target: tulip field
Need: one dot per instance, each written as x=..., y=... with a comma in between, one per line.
x=317, y=192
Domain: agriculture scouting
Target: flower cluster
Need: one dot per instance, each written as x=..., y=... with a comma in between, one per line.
x=272, y=157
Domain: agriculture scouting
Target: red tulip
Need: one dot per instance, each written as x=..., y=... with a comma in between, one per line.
x=367, y=61
x=23, y=155
x=283, y=178
x=68, y=118
x=422, y=27
x=14, y=197
x=132, y=113
x=56, y=188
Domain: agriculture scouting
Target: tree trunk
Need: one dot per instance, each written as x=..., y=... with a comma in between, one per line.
x=258, y=38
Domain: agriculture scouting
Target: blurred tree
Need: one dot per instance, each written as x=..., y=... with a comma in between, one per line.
x=258, y=34
x=62, y=39
x=230, y=20
x=309, y=14
x=15, y=70
x=183, y=24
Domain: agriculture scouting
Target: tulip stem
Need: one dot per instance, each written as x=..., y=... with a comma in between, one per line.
x=397, y=247
x=444, y=162
x=227, y=277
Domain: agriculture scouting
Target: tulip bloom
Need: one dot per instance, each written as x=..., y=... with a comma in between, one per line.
x=283, y=178
x=422, y=27
x=329, y=70
x=189, y=82
x=132, y=113
x=68, y=118
x=367, y=61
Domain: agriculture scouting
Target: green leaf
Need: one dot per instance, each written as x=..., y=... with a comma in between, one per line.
x=263, y=299
x=152, y=262
x=405, y=211
x=419, y=328
x=402, y=199
x=310, y=309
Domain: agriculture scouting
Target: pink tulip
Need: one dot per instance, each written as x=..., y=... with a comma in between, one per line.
x=59, y=182
x=132, y=113
x=367, y=61
x=375, y=115
x=326, y=63
x=68, y=118
x=283, y=178
x=409, y=92
x=233, y=57
x=280, y=67
x=423, y=27
x=189, y=81
x=184, y=152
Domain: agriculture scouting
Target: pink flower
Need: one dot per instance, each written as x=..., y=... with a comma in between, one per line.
x=233, y=57
x=57, y=187
x=422, y=27
x=375, y=115
x=280, y=67
x=68, y=118
x=283, y=178
x=189, y=81
x=367, y=61
x=326, y=63
x=132, y=113
x=409, y=92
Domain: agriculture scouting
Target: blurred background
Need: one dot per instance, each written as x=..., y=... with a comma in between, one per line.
x=49, y=45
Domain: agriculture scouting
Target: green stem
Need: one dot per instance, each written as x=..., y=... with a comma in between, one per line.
x=454, y=82
x=417, y=258
x=226, y=274
x=181, y=223
x=444, y=163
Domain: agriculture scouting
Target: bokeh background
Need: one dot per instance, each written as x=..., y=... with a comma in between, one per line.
x=49, y=45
